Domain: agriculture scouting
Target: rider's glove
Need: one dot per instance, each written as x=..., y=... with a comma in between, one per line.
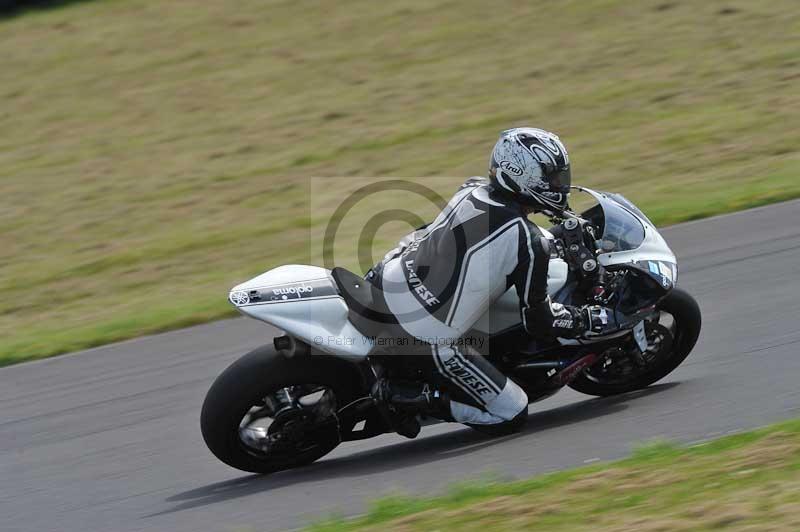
x=600, y=320
x=548, y=320
x=568, y=322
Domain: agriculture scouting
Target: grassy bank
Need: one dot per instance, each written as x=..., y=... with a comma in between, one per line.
x=153, y=154
x=749, y=481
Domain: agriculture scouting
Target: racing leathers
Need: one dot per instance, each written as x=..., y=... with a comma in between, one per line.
x=442, y=278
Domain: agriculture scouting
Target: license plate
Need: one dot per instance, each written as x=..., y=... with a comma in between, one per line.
x=640, y=336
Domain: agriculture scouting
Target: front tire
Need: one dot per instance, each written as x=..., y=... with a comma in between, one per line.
x=686, y=313
x=246, y=383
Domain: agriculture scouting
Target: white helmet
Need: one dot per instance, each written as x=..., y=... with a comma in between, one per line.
x=532, y=165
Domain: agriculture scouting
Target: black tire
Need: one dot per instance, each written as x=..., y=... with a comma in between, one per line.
x=248, y=380
x=684, y=309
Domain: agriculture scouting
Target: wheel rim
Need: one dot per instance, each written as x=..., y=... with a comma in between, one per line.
x=662, y=333
x=291, y=420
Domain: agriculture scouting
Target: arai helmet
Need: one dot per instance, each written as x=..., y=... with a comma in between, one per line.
x=532, y=165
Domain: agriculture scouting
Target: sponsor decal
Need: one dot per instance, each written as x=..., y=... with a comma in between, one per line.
x=315, y=288
x=512, y=168
x=663, y=272
x=293, y=291
x=300, y=289
x=419, y=289
x=466, y=377
x=666, y=271
x=239, y=298
x=570, y=372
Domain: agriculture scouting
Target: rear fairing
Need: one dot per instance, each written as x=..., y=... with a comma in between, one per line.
x=304, y=302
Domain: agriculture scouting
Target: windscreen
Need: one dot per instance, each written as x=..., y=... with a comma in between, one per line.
x=619, y=226
x=621, y=229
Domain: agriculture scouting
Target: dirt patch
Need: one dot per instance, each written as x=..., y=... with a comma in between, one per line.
x=772, y=451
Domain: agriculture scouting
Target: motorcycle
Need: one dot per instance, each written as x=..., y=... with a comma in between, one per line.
x=289, y=403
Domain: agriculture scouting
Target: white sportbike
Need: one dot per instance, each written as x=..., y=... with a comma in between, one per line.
x=289, y=403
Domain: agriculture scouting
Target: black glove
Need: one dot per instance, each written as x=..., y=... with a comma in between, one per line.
x=548, y=320
x=568, y=322
x=600, y=320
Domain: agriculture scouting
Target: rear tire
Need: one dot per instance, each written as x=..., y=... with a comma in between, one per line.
x=250, y=379
x=684, y=309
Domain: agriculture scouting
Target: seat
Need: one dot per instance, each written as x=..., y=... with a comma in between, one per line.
x=366, y=307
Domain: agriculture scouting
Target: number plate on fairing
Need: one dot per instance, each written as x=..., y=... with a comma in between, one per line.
x=640, y=336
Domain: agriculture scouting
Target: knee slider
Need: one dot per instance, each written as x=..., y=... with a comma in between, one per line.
x=510, y=402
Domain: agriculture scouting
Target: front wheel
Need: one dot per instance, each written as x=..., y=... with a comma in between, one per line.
x=267, y=412
x=670, y=340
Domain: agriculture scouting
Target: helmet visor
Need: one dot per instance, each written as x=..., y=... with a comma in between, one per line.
x=560, y=180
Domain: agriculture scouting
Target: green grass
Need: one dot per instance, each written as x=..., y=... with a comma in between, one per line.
x=153, y=154
x=749, y=481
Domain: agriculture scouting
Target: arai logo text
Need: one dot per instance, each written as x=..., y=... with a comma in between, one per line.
x=511, y=168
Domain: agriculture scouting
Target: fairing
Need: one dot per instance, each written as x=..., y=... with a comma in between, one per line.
x=636, y=239
x=304, y=302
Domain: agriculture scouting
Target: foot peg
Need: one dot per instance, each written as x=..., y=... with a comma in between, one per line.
x=413, y=398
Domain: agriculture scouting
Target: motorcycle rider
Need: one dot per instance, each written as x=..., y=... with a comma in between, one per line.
x=442, y=278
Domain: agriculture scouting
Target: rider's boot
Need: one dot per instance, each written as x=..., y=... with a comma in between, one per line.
x=409, y=399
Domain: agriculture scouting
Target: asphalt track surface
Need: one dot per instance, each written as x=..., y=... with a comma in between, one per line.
x=108, y=439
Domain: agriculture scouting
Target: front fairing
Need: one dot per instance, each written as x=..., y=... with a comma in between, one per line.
x=629, y=237
x=638, y=246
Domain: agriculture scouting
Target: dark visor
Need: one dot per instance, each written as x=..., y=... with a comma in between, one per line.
x=560, y=180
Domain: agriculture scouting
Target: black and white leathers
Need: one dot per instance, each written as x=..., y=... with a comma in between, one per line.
x=441, y=279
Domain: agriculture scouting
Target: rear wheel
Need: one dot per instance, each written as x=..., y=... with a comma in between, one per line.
x=670, y=339
x=267, y=412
